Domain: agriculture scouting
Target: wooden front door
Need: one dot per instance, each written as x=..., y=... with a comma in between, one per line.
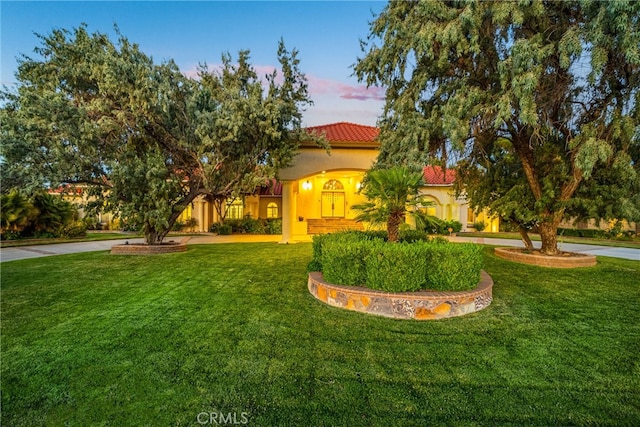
x=332, y=204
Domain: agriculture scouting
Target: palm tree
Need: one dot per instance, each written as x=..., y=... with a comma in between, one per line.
x=390, y=193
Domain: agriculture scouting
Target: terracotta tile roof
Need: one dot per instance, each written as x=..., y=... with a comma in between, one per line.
x=434, y=175
x=346, y=132
x=272, y=188
x=66, y=189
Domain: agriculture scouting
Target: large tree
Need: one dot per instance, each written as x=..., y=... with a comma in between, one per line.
x=143, y=138
x=557, y=81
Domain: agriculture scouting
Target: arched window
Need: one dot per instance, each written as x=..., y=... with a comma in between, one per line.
x=333, y=185
x=272, y=210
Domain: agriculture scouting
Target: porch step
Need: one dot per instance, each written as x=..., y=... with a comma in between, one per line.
x=332, y=225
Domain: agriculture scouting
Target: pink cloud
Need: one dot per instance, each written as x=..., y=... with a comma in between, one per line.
x=320, y=86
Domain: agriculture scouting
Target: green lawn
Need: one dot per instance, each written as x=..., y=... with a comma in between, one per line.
x=97, y=339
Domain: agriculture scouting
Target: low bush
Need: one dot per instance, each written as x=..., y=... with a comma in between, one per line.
x=76, y=229
x=395, y=267
x=224, y=229
x=410, y=236
x=480, y=225
x=453, y=267
x=249, y=226
x=361, y=259
x=273, y=226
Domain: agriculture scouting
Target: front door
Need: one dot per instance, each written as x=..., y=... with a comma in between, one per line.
x=332, y=204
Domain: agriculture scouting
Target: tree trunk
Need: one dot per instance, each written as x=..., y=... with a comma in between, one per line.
x=393, y=227
x=528, y=244
x=549, y=234
x=153, y=237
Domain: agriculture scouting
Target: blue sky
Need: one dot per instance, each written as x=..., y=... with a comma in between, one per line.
x=326, y=34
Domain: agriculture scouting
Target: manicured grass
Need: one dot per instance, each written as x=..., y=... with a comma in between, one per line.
x=634, y=244
x=97, y=339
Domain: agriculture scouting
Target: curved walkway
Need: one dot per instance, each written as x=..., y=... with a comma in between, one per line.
x=24, y=252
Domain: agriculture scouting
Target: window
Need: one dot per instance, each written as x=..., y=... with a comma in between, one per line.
x=471, y=216
x=235, y=209
x=272, y=210
x=333, y=185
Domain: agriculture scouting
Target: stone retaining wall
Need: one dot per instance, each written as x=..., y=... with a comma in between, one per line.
x=571, y=260
x=422, y=305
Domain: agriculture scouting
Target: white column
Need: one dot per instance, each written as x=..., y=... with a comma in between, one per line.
x=288, y=212
x=206, y=221
x=200, y=210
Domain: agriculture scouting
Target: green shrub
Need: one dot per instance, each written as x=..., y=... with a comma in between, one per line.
x=252, y=226
x=480, y=225
x=453, y=267
x=410, y=236
x=343, y=261
x=76, y=229
x=224, y=229
x=395, y=267
x=455, y=226
x=361, y=259
x=273, y=226
x=428, y=223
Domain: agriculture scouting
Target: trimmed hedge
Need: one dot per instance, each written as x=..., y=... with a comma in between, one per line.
x=362, y=259
x=248, y=226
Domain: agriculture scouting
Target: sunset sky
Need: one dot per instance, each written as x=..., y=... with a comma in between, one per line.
x=327, y=35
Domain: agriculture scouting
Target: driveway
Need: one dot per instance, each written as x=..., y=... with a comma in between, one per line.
x=24, y=252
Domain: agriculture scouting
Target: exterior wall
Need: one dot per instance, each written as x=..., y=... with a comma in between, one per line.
x=304, y=181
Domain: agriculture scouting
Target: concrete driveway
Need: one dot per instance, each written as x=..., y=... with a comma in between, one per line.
x=24, y=252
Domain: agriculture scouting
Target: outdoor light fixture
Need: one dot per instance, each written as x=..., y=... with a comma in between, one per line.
x=306, y=185
x=358, y=186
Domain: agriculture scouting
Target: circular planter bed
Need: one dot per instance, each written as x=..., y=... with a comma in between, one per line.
x=144, y=249
x=562, y=260
x=422, y=305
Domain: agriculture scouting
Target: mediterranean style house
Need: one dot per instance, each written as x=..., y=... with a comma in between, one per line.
x=316, y=193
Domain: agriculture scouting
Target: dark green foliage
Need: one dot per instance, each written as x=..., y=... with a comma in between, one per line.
x=428, y=223
x=539, y=100
x=398, y=267
x=224, y=229
x=16, y=212
x=42, y=216
x=343, y=258
x=453, y=267
x=249, y=226
x=359, y=259
x=454, y=225
x=433, y=225
x=273, y=226
x=479, y=225
x=410, y=236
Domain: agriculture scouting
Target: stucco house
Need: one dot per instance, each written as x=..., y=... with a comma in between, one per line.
x=316, y=193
